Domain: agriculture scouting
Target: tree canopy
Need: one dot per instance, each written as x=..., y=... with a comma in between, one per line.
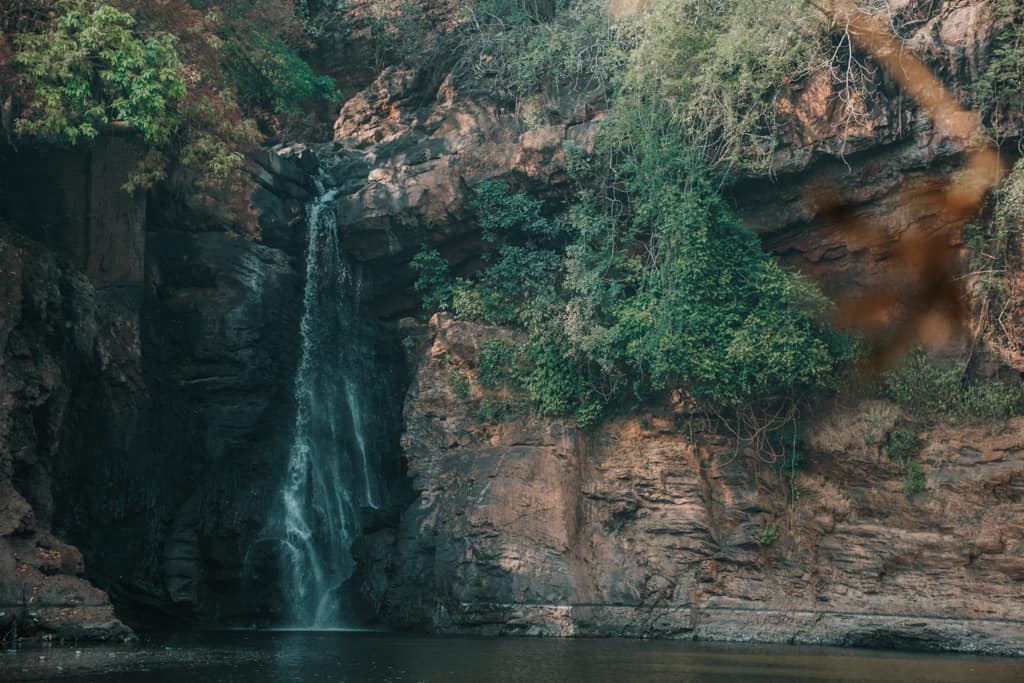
x=195, y=79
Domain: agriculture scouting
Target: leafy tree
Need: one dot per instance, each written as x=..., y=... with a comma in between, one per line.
x=673, y=292
x=90, y=71
x=719, y=66
x=524, y=46
x=191, y=77
x=267, y=73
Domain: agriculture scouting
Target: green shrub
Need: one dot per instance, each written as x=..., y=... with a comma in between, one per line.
x=467, y=303
x=504, y=214
x=712, y=310
x=498, y=364
x=920, y=385
x=998, y=91
x=458, y=382
x=269, y=74
x=923, y=388
x=991, y=245
x=551, y=379
x=433, y=280
x=649, y=281
x=914, y=481
x=496, y=411
x=529, y=45
x=992, y=400
x=902, y=444
x=769, y=534
x=720, y=65
x=709, y=310
x=90, y=69
x=590, y=412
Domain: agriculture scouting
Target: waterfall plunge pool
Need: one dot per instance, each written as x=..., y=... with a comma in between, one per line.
x=357, y=657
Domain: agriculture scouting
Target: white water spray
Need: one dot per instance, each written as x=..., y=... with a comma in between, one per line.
x=332, y=472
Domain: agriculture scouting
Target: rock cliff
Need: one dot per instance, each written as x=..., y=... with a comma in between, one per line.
x=148, y=384
x=648, y=526
x=148, y=360
x=57, y=333
x=651, y=526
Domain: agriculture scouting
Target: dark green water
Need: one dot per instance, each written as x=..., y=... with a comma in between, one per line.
x=249, y=657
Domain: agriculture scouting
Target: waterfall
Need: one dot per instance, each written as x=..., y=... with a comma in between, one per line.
x=332, y=470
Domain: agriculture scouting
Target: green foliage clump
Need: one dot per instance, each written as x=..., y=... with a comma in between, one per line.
x=1009, y=214
x=769, y=534
x=992, y=400
x=925, y=389
x=503, y=213
x=902, y=444
x=914, y=481
x=459, y=383
x=551, y=380
x=457, y=379
x=998, y=91
x=269, y=73
x=189, y=77
x=705, y=308
x=994, y=252
x=521, y=271
x=713, y=310
x=498, y=364
x=648, y=282
x=497, y=410
x=721, y=66
x=433, y=279
x=524, y=46
x=90, y=69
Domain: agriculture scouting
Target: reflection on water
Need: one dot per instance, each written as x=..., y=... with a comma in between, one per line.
x=255, y=657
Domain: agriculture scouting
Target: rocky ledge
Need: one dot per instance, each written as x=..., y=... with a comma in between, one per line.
x=648, y=528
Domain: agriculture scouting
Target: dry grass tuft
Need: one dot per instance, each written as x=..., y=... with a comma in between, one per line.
x=850, y=431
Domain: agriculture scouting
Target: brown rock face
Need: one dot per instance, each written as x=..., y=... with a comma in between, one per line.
x=644, y=527
x=159, y=467
x=877, y=153
x=640, y=529
x=407, y=155
x=406, y=171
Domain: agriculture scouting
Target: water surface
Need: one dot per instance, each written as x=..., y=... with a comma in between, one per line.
x=257, y=657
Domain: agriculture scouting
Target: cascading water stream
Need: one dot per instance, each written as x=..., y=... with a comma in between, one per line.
x=332, y=472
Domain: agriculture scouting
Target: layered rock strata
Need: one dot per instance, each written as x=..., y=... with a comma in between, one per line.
x=648, y=527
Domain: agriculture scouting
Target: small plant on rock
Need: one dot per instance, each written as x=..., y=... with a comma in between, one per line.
x=769, y=534
x=459, y=383
x=914, y=482
x=902, y=444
